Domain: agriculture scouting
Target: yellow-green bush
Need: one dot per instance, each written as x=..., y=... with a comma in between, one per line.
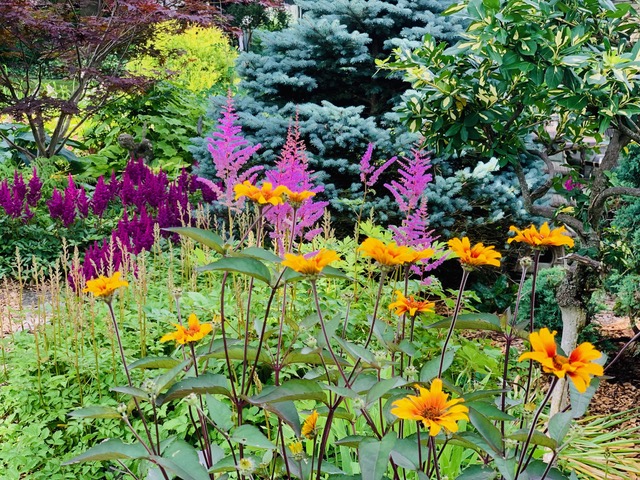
x=197, y=58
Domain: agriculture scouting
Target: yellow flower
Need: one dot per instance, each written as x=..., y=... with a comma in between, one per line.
x=103, y=287
x=312, y=265
x=195, y=332
x=390, y=254
x=474, y=256
x=298, y=197
x=432, y=409
x=410, y=305
x=309, y=429
x=295, y=447
x=543, y=238
x=262, y=195
x=579, y=366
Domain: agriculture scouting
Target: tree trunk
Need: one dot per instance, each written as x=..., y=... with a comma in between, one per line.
x=572, y=296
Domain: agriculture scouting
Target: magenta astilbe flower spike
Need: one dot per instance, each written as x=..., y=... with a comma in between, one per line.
x=19, y=189
x=56, y=204
x=34, y=189
x=292, y=171
x=230, y=153
x=368, y=173
x=101, y=197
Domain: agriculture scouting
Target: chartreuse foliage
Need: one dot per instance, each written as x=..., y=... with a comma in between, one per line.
x=304, y=372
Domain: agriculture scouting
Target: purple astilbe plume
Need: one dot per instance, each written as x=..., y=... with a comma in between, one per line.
x=102, y=195
x=369, y=174
x=6, y=199
x=128, y=192
x=28, y=214
x=140, y=230
x=56, y=204
x=292, y=171
x=114, y=185
x=34, y=189
x=230, y=153
x=208, y=189
x=70, y=202
x=410, y=196
x=136, y=170
x=19, y=189
x=153, y=190
x=82, y=203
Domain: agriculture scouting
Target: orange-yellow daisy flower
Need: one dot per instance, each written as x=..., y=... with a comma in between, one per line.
x=103, y=287
x=195, y=332
x=309, y=427
x=298, y=197
x=389, y=254
x=312, y=265
x=546, y=237
x=474, y=256
x=432, y=409
x=579, y=366
x=410, y=305
x=262, y=195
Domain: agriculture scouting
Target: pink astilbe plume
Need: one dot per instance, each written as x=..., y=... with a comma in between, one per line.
x=410, y=195
x=292, y=171
x=230, y=152
x=369, y=174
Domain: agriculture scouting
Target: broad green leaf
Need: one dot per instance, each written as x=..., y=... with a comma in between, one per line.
x=236, y=352
x=220, y=413
x=243, y=265
x=351, y=441
x=170, y=375
x=538, y=438
x=252, y=437
x=373, y=456
x=357, y=352
x=454, y=8
x=382, y=388
x=259, y=254
x=559, y=425
x=290, y=390
x=536, y=469
x=205, y=383
x=205, y=237
x=405, y=453
x=97, y=411
x=490, y=411
x=310, y=358
x=133, y=391
x=183, y=471
x=472, y=321
x=112, y=449
x=487, y=430
x=429, y=370
x=482, y=394
x=332, y=272
x=286, y=411
x=183, y=460
x=478, y=472
x=580, y=401
x=154, y=362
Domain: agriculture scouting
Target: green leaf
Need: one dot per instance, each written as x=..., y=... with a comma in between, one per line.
x=472, y=321
x=478, y=472
x=133, y=391
x=538, y=438
x=309, y=358
x=259, y=254
x=205, y=237
x=244, y=265
x=456, y=7
x=487, y=430
x=580, y=401
x=559, y=425
x=169, y=376
x=536, y=469
x=97, y=411
x=405, y=453
x=154, y=362
x=382, y=388
x=291, y=390
x=220, y=413
x=112, y=449
x=373, y=456
x=205, y=383
x=252, y=437
x=429, y=370
x=357, y=352
x=287, y=412
x=182, y=459
x=332, y=272
x=490, y=411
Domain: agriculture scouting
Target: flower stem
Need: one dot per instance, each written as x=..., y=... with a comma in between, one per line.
x=456, y=311
x=533, y=426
